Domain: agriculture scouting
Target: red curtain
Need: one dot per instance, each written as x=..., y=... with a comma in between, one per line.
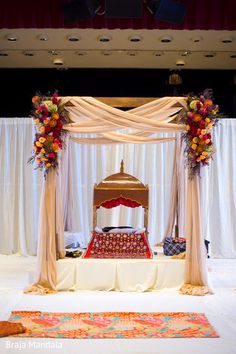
x=201, y=14
x=119, y=201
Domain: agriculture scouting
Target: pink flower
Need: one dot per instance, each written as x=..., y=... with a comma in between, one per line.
x=54, y=98
x=51, y=155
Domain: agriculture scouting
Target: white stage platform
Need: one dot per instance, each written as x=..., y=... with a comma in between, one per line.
x=120, y=274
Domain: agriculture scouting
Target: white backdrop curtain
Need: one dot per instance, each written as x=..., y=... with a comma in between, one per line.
x=20, y=187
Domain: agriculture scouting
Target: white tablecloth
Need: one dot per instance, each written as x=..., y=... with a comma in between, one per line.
x=120, y=274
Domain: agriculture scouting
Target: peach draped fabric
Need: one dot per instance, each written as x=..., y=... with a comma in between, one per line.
x=50, y=236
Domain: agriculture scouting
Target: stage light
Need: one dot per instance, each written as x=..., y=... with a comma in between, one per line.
x=77, y=10
x=166, y=39
x=167, y=10
x=58, y=62
x=123, y=8
x=180, y=63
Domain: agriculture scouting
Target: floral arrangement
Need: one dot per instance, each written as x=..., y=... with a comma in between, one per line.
x=49, y=118
x=200, y=118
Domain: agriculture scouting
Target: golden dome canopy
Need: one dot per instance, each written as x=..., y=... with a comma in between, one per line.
x=121, y=185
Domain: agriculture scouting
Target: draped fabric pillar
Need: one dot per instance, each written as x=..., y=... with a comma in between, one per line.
x=196, y=282
x=50, y=236
x=178, y=192
x=66, y=185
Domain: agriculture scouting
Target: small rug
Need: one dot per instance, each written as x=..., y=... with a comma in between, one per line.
x=114, y=325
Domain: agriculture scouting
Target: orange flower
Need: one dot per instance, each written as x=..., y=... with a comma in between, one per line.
x=55, y=147
x=45, y=122
x=42, y=129
x=207, y=120
x=55, y=115
x=52, y=123
x=42, y=151
x=208, y=102
x=197, y=118
x=194, y=146
x=49, y=139
x=205, y=153
x=36, y=121
x=195, y=140
x=38, y=160
x=35, y=99
x=187, y=127
x=48, y=165
x=203, y=131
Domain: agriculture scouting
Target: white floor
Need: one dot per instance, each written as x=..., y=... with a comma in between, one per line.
x=220, y=309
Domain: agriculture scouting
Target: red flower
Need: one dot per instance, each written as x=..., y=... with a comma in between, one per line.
x=54, y=98
x=47, y=129
x=51, y=155
x=59, y=124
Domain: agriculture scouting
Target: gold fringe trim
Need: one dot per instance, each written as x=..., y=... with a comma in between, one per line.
x=39, y=290
x=195, y=290
x=179, y=256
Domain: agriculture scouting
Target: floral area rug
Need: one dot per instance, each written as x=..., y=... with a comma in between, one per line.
x=114, y=325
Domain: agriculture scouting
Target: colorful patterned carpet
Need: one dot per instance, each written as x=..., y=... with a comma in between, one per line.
x=114, y=325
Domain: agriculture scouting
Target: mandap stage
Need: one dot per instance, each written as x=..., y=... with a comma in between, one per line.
x=120, y=274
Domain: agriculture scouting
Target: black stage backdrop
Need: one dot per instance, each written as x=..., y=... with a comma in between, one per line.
x=19, y=85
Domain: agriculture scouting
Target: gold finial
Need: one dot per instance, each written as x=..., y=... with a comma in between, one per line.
x=122, y=166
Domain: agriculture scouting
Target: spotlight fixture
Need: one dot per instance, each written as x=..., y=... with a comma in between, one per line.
x=12, y=38
x=158, y=54
x=43, y=37
x=106, y=53
x=53, y=52
x=81, y=53
x=209, y=55
x=76, y=10
x=185, y=53
x=135, y=38
x=227, y=40
x=73, y=38
x=132, y=53
x=28, y=53
x=3, y=54
x=166, y=39
x=196, y=39
x=58, y=62
x=123, y=8
x=167, y=10
x=180, y=63
x=104, y=38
